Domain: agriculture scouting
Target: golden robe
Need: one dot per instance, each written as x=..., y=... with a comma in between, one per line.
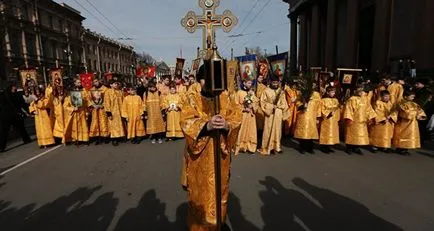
x=381, y=133
x=275, y=108
x=44, y=132
x=50, y=96
x=260, y=117
x=59, y=123
x=99, y=123
x=247, y=137
x=113, y=104
x=329, y=128
x=155, y=123
x=406, y=134
x=306, y=124
x=358, y=112
x=163, y=89
x=199, y=156
x=173, y=116
x=396, y=91
x=132, y=110
x=75, y=121
x=291, y=94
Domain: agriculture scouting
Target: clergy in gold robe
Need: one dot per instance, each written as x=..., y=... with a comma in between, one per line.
x=199, y=123
x=172, y=105
x=381, y=132
x=99, y=128
x=406, y=134
x=291, y=98
x=247, y=138
x=330, y=116
x=358, y=112
x=306, y=130
x=133, y=113
x=275, y=108
x=59, y=122
x=395, y=89
x=113, y=107
x=163, y=86
x=155, y=124
x=44, y=131
x=260, y=117
x=75, y=115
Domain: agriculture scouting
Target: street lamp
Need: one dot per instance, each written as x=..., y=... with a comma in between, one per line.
x=69, y=54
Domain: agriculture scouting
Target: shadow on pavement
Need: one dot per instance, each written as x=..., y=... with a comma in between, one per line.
x=67, y=213
x=288, y=209
x=430, y=155
x=237, y=219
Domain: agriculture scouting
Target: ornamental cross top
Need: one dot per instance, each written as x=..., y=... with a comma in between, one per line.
x=209, y=21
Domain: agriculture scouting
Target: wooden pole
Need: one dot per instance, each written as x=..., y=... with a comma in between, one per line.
x=198, y=52
x=277, y=49
x=232, y=53
x=217, y=168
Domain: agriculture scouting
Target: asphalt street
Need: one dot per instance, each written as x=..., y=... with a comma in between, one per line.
x=136, y=187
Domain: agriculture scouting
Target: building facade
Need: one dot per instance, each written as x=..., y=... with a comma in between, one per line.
x=378, y=35
x=46, y=35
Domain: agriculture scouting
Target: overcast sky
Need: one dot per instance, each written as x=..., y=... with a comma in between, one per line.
x=155, y=25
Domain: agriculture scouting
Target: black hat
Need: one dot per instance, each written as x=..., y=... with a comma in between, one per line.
x=274, y=77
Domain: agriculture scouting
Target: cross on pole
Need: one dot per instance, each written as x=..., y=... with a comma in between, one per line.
x=209, y=21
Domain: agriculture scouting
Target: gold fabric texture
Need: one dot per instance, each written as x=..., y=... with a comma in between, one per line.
x=44, y=131
x=329, y=127
x=358, y=112
x=306, y=124
x=407, y=129
x=381, y=133
x=132, y=110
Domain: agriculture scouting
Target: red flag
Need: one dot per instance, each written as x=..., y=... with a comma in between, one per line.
x=151, y=72
x=139, y=72
x=86, y=80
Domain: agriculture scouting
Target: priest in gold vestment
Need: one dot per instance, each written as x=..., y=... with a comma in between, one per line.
x=172, y=104
x=275, y=108
x=133, y=113
x=381, y=132
x=260, y=88
x=198, y=124
x=395, y=89
x=113, y=98
x=155, y=124
x=330, y=116
x=406, y=135
x=306, y=130
x=75, y=115
x=358, y=112
x=99, y=129
x=247, y=139
x=38, y=108
x=58, y=98
x=291, y=97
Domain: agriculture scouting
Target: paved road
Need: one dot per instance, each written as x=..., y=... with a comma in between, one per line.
x=136, y=187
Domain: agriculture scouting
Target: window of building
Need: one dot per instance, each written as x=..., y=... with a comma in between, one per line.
x=117, y=68
x=89, y=65
x=61, y=25
x=31, y=45
x=94, y=65
x=50, y=22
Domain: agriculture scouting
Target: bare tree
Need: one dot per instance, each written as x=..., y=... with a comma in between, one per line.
x=145, y=58
x=256, y=51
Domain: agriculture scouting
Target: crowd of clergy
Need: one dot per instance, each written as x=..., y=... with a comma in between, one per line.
x=383, y=118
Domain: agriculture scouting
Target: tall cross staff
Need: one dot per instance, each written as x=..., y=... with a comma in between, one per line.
x=209, y=21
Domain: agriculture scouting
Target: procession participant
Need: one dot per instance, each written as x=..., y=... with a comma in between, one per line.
x=59, y=115
x=113, y=98
x=198, y=124
x=275, y=108
x=308, y=112
x=75, y=115
x=172, y=105
x=381, y=133
x=260, y=88
x=143, y=82
x=38, y=108
x=406, y=134
x=247, y=139
x=133, y=113
x=163, y=86
x=180, y=88
x=395, y=89
x=291, y=97
x=330, y=116
x=155, y=125
x=99, y=129
x=424, y=100
x=357, y=113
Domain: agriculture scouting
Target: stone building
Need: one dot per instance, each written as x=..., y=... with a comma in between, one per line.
x=371, y=34
x=45, y=34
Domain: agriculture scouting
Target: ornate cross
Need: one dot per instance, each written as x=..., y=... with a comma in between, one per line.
x=209, y=21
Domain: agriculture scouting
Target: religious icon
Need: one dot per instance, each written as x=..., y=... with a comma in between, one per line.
x=76, y=99
x=347, y=79
x=195, y=66
x=247, y=71
x=56, y=77
x=227, y=22
x=28, y=79
x=263, y=69
x=97, y=98
x=172, y=107
x=278, y=67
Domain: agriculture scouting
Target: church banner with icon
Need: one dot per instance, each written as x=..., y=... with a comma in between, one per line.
x=264, y=68
x=86, y=80
x=56, y=76
x=278, y=64
x=247, y=67
x=232, y=69
x=179, y=67
x=348, y=81
x=195, y=66
x=29, y=78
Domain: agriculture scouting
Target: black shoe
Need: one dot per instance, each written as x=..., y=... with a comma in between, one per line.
x=312, y=152
x=133, y=141
x=115, y=143
x=358, y=151
x=302, y=151
x=3, y=150
x=374, y=149
x=107, y=140
x=326, y=150
x=349, y=151
x=98, y=142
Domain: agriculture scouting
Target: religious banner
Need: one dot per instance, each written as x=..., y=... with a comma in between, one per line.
x=179, y=67
x=86, y=80
x=278, y=64
x=97, y=98
x=140, y=72
x=56, y=76
x=232, y=68
x=151, y=72
x=264, y=69
x=28, y=78
x=76, y=98
x=247, y=67
x=347, y=81
x=195, y=66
